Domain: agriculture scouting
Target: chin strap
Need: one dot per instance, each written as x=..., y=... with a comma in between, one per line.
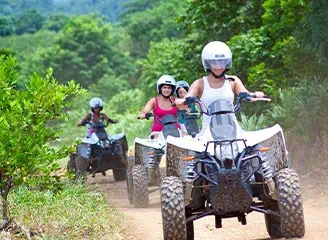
x=166, y=96
x=218, y=76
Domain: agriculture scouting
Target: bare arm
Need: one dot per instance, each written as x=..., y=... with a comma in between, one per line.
x=148, y=107
x=109, y=120
x=238, y=87
x=86, y=119
x=195, y=89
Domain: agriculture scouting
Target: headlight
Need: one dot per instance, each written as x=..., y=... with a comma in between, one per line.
x=226, y=151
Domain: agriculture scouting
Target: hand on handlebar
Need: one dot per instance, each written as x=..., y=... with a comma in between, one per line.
x=259, y=96
x=141, y=116
x=145, y=115
x=179, y=102
x=266, y=99
x=114, y=121
x=253, y=97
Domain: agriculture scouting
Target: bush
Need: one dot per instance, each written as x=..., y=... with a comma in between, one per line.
x=303, y=109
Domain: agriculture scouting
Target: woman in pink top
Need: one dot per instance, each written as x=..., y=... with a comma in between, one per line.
x=162, y=104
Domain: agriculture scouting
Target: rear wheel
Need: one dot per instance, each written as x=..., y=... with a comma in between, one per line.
x=291, y=221
x=129, y=182
x=82, y=165
x=119, y=174
x=140, y=187
x=173, y=211
x=71, y=166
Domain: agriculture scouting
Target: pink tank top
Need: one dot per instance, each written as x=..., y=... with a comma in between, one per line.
x=159, y=112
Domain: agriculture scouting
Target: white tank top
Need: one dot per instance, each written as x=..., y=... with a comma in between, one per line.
x=212, y=94
x=90, y=130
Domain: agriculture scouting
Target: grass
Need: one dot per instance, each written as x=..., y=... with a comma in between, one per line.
x=73, y=213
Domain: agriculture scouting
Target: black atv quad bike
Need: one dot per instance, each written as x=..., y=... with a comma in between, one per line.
x=100, y=153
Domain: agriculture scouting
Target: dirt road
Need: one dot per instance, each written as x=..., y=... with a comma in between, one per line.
x=148, y=222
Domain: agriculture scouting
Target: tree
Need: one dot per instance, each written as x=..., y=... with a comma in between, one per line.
x=29, y=22
x=17, y=7
x=165, y=57
x=87, y=49
x=24, y=132
x=56, y=22
x=6, y=25
x=313, y=33
x=157, y=22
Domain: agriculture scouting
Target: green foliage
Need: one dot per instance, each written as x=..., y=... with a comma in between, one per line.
x=313, y=32
x=126, y=101
x=87, y=50
x=7, y=25
x=165, y=57
x=282, y=16
x=27, y=45
x=73, y=213
x=23, y=124
x=219, y=19
x=110, y=8
x=249, y=49
x=254, y=122
x=27, y=48
x=153, y=24
x=56, y=22
x=303, y=109
x=17, y=7
x=29, y=22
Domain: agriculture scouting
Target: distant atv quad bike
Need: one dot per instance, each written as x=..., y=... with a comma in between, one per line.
x=144, y=167
x=227, y=172
x=100, y=153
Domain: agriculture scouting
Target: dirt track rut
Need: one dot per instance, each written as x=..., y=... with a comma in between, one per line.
x=148, y=222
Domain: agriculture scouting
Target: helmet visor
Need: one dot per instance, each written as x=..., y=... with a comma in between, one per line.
x=219, y=63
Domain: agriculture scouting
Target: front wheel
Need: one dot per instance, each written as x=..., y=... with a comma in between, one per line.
x=291, y=221
x=173, y=211
x=140, y=187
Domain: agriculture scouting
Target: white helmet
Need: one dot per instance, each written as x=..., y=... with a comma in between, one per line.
x=166, y=80
x=96, y=103
x=218, y=54
x=181, y=84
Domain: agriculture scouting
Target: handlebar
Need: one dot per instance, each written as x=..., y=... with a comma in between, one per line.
x=104, y=125
x=242, y=96
x=147, y=116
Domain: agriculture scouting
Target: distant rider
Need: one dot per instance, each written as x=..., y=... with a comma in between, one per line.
x=181, y=91
x=95, y=116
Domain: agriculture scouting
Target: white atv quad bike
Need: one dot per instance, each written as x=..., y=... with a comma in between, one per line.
x=144, y=168
x=228, y=173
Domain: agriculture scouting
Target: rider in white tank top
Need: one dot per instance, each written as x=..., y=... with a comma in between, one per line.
x=212, y=94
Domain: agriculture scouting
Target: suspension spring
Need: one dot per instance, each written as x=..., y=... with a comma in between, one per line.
x=266, y=168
